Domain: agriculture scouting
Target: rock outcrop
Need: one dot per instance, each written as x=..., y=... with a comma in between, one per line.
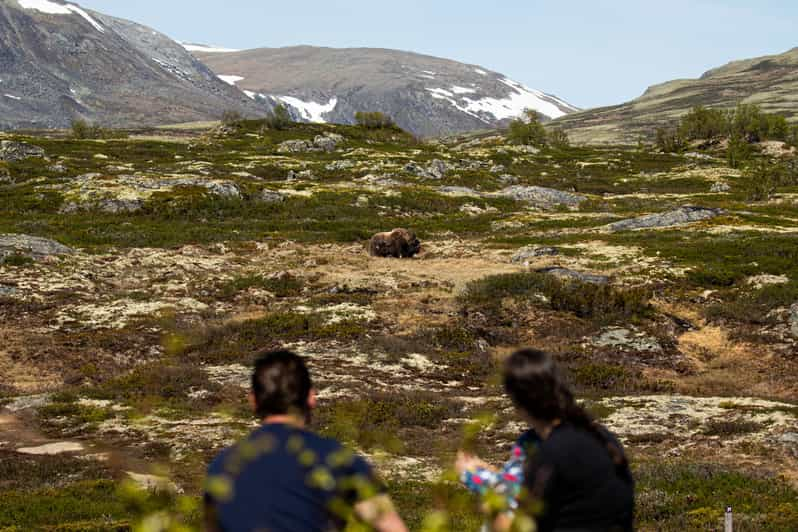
x=572, y=275
x=30, y=246
x=541, y=196
x=678, y=217
x=523, y=255
x=11, y=151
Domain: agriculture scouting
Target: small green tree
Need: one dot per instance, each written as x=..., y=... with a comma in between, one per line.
x=81, y=129
x=703, y=123
x=739, y=151
x=528, y=130
x=278, y=118
x=557, y=138
x=762, y=178
x=669, y=141
x=231, y=117
x=374, y=120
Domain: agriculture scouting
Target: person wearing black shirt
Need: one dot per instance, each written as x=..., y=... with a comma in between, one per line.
x=578, y=478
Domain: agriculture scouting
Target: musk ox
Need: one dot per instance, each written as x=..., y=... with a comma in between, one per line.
x=399, y=243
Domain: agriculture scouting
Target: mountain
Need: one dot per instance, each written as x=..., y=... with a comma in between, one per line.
x=59, y=62
x=426, y=95
x=770, y=81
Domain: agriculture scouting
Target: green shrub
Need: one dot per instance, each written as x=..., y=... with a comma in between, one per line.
x=231, y=117
x=762, y=177
x=281, y=286
x=702, y=123
x=278, y=119
x=374, y=120
x=600, y=376
x=669, y=140
x=528, y=130
x=17, y=259
x=586, y=300
x=557, y=138
x=738, y=151
x=83, y=130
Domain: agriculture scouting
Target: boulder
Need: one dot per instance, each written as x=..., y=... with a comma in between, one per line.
x=572, y=275
x=339, y=165
x=459, y=191
x=16, y=151
x=720, y=187
x=30, y=246
x=294, y=146
x=268, y=196
x=542, y=196
x=622, y=338
x=399, y=244
x=508, y=179
x=325, y=143
x=497, y=169
x=435, y=170
x=530, y=252
x=681, y=216
x=794, y=320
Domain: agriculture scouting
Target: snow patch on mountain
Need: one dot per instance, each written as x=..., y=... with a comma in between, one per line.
x=12, y=97
x=310, y=111
x=51, y=8
x=230, y=80
x=206, y=48
x=520, y=99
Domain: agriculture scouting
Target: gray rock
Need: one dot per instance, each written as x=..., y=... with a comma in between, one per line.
x=789, y=438
x=681, y=216
x=339, y=165
x=16, y=151
x=719, y=187
x=497, y=169
x=460, y=191
x=294, y=146
x=572, y=275
x=437, y=169
x=627, y=339
x=7, y=291
x=268, y=196
x=530, y=252
x=542, y=196
x=794, y=320
x=117, y=206
x=325, y=143
x=30, y=246
x=508, y=179
x=57, y=168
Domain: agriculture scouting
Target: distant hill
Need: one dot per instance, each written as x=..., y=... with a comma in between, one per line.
x=771, y=82
x=59, y=62
x=426, y=95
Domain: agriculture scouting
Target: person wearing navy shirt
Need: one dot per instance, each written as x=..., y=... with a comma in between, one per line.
x=285, y=478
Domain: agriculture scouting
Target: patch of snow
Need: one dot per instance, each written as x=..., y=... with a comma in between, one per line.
x=12, y=96
x=51, y=8
x=443, y=93
x=251, y=94
x=172, y=69
x=463, y=90
x=310, y=111
x=428, y=72
x=520, y=99
x=480, y=72
x=230, y=80
x=207, y=49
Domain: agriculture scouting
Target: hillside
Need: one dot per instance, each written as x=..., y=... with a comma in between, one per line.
x=771, y=82
x=669, y=297
x=426, y=95
x=60, y=62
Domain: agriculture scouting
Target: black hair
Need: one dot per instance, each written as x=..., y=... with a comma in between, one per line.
x=535, y=385
x=281, y=384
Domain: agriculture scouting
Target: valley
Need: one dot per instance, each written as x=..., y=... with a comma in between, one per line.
x=140, y=275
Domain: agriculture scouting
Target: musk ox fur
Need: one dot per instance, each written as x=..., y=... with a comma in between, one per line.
x=399, y=244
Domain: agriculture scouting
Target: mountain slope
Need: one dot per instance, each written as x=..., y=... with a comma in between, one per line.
x=59, y=62
x=770, y=81
x=426, y=95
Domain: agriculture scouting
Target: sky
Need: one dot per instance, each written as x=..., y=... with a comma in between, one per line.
x=589, y=52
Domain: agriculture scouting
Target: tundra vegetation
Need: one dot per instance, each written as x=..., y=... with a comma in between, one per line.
x=190, y=250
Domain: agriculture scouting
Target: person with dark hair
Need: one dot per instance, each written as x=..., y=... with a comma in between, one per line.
x=578, y=477
x=284, y=478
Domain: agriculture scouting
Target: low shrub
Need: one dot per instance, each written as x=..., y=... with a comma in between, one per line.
x=374, y=120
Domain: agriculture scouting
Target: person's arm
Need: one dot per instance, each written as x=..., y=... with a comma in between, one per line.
x=380, y=513
x=211, y=517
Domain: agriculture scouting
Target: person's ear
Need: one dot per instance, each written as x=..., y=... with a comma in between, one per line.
x=312, y=400
x=253, y=403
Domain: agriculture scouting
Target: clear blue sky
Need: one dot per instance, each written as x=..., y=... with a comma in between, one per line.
x=589, y=52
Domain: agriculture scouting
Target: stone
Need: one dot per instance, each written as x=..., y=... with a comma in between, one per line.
x=7, y=291
x=399, y=244
x=30, y=246
x=294, y=146
x=623, y=338
x=497, y=169
x=794, y=320
x=530, y=252
x=542, y=196
x=682, y=216
x=16, y=151
x=437, y=169
x=51, y=449
x=459, y=191
x=789, y=437
x=572, y=275
x=339, y=165
x=508, y=179
x=325, y=143
x=268, y=196
x=720, y=187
